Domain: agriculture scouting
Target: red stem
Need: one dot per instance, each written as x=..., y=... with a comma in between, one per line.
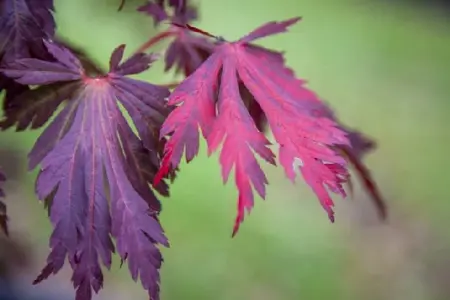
x=154, y=40
x=194, y=29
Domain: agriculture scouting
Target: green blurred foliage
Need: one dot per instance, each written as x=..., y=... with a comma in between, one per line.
x=383, y=67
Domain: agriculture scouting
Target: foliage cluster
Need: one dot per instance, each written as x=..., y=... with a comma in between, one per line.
x=99, y=175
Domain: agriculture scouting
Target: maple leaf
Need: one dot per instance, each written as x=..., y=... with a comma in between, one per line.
x=3, y=215
x=359, y=144
x=178, y=11
x=186, y=52
x=33, y=107
x=155, y=9
x=12, y=90
x=354, y=153
x=305, y=139
x=90, y=142
x=23, y=24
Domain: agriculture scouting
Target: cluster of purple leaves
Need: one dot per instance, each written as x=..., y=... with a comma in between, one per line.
x=95, y=172
x=23, y=26
x=99, y=179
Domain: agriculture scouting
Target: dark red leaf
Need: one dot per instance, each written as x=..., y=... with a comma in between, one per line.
x=35, y=107
x=23, y=25
x=360, y=145
x=178, y=11
x=305, y=140
x=87, y=144
x=89, y=64
x=3, y=215
x=187, y=51
x=156, y=10
x=12, y=90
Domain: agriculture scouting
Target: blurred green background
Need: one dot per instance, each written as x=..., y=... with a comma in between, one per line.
x=384, y=67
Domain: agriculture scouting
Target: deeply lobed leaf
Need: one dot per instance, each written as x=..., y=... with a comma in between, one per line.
x=155, y=9
x=178, y=11
x=359, y=146
x=88, y=144
x=23, y=25
x=306, y=139
x=186, y=52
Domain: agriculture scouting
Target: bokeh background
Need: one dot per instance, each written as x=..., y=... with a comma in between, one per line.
x=384, y=67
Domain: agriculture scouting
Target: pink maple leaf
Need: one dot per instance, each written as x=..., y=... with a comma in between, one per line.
x=210, y=99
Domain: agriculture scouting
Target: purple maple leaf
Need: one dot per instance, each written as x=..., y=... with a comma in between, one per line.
x=32, y=108
x=156, y=10
x=88, y=144
x=3, y=215
x=23, y=25
x=177, y=11
x=12, y=90
x=187, y=51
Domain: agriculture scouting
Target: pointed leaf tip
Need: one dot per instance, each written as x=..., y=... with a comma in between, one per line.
x=269, y=29
x=116, y=57
x=135, y=64
x=353, y=155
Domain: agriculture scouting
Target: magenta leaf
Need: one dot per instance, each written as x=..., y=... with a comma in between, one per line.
x=306, y=140
x=88, y=144
x=359, y=146
x=269, y=29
